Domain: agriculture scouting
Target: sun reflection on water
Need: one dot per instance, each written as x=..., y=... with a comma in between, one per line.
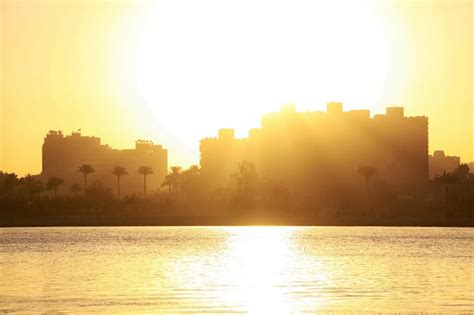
x=256, y=270
x=261, y=263
x=260, y=253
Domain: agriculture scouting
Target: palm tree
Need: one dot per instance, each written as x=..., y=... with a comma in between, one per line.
x=119, y=171
x=75, y=188
x=367, y=172
x=447, y=179
x=54, y=183
x=173, y=179
x=189, y=181
x=145, y=171
x=85, y=169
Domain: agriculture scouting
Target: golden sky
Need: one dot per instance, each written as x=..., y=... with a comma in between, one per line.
x=175, y=71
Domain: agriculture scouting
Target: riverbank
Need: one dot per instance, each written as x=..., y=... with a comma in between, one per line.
x=99, y=220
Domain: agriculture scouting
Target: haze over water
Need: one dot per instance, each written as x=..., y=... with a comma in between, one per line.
x=236, y=269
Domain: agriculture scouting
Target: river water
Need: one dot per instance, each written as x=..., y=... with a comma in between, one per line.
x=257, y=270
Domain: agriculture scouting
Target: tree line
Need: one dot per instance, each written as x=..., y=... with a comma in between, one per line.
x=188, y=185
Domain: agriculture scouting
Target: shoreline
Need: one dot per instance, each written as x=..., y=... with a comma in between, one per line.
x=237, y=221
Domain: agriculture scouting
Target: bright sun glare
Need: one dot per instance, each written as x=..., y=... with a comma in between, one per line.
x=261, y=253
x=210, y=64
x=263, y=258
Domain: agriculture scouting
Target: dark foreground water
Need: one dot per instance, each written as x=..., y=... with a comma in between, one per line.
x=260, y=270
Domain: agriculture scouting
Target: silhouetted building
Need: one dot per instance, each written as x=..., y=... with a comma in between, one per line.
x=62, y=156
x=317, y=151
x=219, y=156
x=440, y=162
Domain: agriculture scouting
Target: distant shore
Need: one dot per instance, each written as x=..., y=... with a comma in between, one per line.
x=232, y=221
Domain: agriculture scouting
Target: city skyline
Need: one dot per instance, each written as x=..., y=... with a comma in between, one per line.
x=372, y=137
x=364, y=113
x=106, y=68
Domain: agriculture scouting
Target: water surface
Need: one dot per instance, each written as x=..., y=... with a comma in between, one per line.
x=260, y=270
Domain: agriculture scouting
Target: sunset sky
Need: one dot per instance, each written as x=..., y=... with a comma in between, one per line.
x=176, y=71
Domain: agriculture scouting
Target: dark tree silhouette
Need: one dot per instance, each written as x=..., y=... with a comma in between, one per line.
x=145, y=171
x=173, y=179
x=8, y=183
x=462, y=171
x=86, y=169
x=53, y=184
x=99, y=192
x=246, y=179
x=367, y=172
x=32, y=185
x=446, y=179
x=190, y=181
x=75, y=189
x=119, y=171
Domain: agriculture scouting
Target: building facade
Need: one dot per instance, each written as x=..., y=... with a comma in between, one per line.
x=316, y=150
x=63, y=154
x=440, y=162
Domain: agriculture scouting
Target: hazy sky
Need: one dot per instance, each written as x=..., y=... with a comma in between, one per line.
x=176, y=71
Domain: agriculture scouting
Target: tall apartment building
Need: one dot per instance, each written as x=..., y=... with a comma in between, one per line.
x=62, y=156
x=316, y=150
x=440, y=162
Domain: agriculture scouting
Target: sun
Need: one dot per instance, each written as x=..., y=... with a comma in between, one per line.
x=199, y=66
